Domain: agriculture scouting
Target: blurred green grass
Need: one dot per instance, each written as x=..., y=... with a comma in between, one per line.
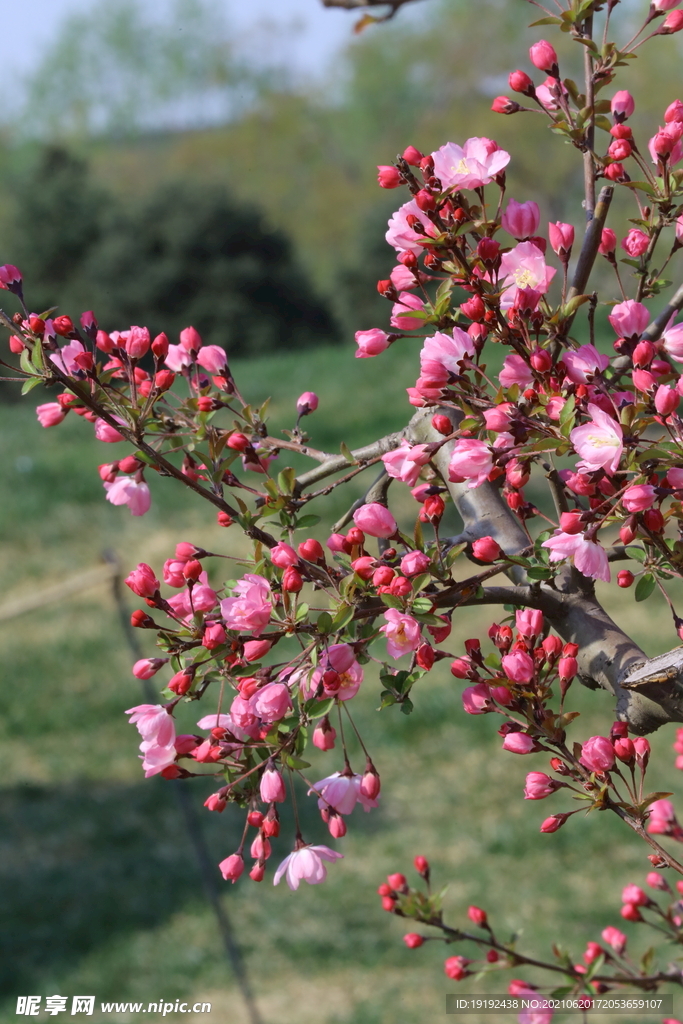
x=100, y=889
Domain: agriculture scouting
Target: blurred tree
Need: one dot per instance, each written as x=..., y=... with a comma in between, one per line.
x=186, y=254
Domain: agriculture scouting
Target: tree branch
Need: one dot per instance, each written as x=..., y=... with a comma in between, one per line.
x=658, y=325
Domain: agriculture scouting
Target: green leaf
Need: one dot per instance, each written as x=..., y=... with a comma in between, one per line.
x=320, y=707
x=343, y=617
x=546, y=21
x=644, y=587
x=346, y=452
x=286, y=479
x=567, y=411
x=394, y=602
x=30, y=384
x=422, y=605
x=324, y=622
x=536, y=572
x=295, y=762
x=306, y=521
x=407, y=706
x=637, y=554
x=301, y=612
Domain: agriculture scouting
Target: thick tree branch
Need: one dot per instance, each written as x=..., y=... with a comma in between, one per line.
x=591, y=241
x=658, y=325
x=335, y=463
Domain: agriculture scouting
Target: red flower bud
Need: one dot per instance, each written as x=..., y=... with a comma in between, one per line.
x=625, y=578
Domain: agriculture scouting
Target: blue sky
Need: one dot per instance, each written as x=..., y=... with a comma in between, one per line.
x=27, y=28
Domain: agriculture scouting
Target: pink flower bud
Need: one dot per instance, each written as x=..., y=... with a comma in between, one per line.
x=642, y=746
x=388, y=176
x=634, y=894
x=283, y=555
x=529, y=622
x=414, y=562
x=620, y=149
x=50, y=414
x=476, y=700
x=663, y=5
x=597, y=754
x=625, y=750
x=608, y=242
x=657, y=881
x=306, y=403
x=538, y=786
x=477, y=916
x=371, y=343
x=630, y=912
x=486, y=549
x=666, y=400
x=212, y=358
x=622, y=105
x=254, y=650
x=553, y=823
x=337, y=542
x=375, y=520
x=561, y=237
x=518, y=667
x=190, y=339
x=214, y=636
x=461, y=668
x=543, y=56
x=455, y=968
x=505, y=105
x=145, y=668
x=519, y=81
x=635, y=243
x=272, y=787
x=567, y=668
x=232, y=867
x=324, y=735
x=142, y=581
x=370, y=784
x=518, y=743
x=292, y=580
x=412, y=156
x=541, y=360
x=614, y=938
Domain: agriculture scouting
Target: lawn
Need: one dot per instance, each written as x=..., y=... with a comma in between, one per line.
x=100, y=889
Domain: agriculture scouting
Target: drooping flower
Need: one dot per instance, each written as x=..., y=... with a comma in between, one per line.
x=469, y=166
x=371, y=343
x=157, y=728
x=583, y=363
x=589, y=557
x=177, y=358
x=306, y=865
x=251, y=609
x=50, y=414
x=65, y=359
x=342, y=793
x=599, y=443
x=673, y=342
x=127, y=490
x=402, y=633
x=515, y=371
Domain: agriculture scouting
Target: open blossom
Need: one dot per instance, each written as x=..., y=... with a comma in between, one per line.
x=471, y=460
x=126, y=490
x=401, y=235
x=583, y=363
x=629, y=318
x=521, y=220
x=371, y=343
x=251, y=609
x=469, y=166
x=589, y=557
x=515, y=371
x=406, y=461
x=673, y=342
x=442, y=353
x=341, y=793
x=306, y=865
x=524, y=267
x=157, y=729
x=177, y=358
x=402, y=633
x=599, y=443
x=65, y=359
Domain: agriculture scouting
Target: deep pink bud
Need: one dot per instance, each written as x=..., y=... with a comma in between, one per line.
x=292, y=581
x=622, y=104
x=455, y=968
x=190, y=339
x=232, y=867
x=554, y=822
x=142, y=581
x=518, y=743
x=160, y=346
x=283, y=555
x=666, y=400
x=306, y=403
x=519, y=81
x=272, y=788
x=388, y=176
x=413, y=940
x=137, y=342
x=567, y=668
x=630, y=912
x=543, y=56
x=608, y=242
x=214, y=636
x=624, y=749
x=412, y=156
x=539, y=785
x=634, y=894
x=561, y=237
x=486, y=549
x=625, y=578
x=672, y=23
x=311, y=550
x=370, y=783
x=597, y=754
x=505, y=105
x=324, y=735
x=477, y=916
x=254, y=650
x=642, y=746
x=376, y=520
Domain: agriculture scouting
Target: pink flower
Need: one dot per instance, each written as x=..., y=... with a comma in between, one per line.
x=177, y=358
x=50, y=414
x=524, y=268
x=104, y=432
x=599, y=443
x=190, y=339
x=471, y=460
x=518, y=666
x=515, y=371
x=543, y=56
x=673, y=342
x=232, y=867
x=126, y=490
x=547, y=93
x=283, y=555
x=145, y=668
x=561, y=237
x=137, y=342
x=405, y=462
x=498, y=418
x=583, y=363
x=251, y=609
x=666, y=400
x=341, y=793
x=469, y=166
x=272, y=702
x=629, y=318
x=442, y=354
x=589, y=557
x=476, y=700
x=401, y=235
x=307, y=403
x=414, y=562
x=371, y=343
x=614, y=938
x=242, y=712
x=638, y=498
x=529, y=622
x=403, y=279
x=400, y=312
x=521, y=220
x=597, y=754
x=254, y=650
x=634, y=894
x=376, y=520
x=157, y=729
x=10, y=278
x=518, y=743
x=538, y=786
x=306, y=865
x=635, y=243
x=142, y=580
x=402, y=633
x=213, y=358
x=272, y=788
x=65, y=359
x=623, y=104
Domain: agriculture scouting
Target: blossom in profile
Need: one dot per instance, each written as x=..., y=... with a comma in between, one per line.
x=127, y=490
x=472, y=165
x=405, y=462
x=341, y=793
x=402, y=236
x=583, y=363
x=589, y=557
x=157, y=728
x=443, y=353
x=471, y=460
x=50, y=414
x=515, y=371
x=306, y=865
